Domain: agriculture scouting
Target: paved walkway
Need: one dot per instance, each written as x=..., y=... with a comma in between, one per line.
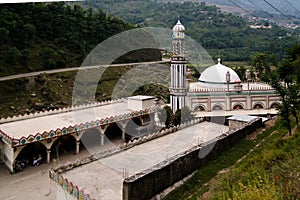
x=33, y=182
x=103, y=179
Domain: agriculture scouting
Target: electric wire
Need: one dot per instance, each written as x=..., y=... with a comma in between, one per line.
x=260, y=8
x=278, y=10
x=242, y=8
x=292, y=5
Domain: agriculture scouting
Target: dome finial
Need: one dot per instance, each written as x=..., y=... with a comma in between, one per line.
x=178, y=17
x=219, y=60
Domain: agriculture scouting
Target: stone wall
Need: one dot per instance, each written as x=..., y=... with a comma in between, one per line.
x=150, y=182
x=234, y=124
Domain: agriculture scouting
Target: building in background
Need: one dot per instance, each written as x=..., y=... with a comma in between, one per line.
x=219, y=88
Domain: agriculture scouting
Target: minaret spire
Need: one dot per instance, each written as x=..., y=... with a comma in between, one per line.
x=178, y=88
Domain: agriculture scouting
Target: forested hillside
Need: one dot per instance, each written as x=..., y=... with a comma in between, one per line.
x=222, y=34
x=41, y=36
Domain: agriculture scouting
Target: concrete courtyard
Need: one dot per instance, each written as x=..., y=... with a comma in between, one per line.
x=103, y=179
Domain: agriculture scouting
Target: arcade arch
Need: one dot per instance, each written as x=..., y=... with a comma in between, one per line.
x=217, y=107
x=199, y=108
x=113, y=133
x=28, y=152
x=132, y=128
x=63, y=145
x=91, y=139
x=258, y=105
x=274, y=105
x=238, y=106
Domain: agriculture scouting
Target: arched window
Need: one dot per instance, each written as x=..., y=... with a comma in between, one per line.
x=274, y=105
x=217, y=107
x=238, y=107
x=258, y=106
x=199, y=108
x=64, y=145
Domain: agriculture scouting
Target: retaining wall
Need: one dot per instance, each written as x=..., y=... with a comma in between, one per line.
x=150, y=182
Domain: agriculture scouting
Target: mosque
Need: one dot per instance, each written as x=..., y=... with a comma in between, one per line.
x=219, y=88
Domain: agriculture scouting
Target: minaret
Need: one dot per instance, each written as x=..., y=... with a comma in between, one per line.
x=178, y=88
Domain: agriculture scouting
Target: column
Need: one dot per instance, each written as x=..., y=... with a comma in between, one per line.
x=123, y=134
x=175, y=76
x=180, y=76
x=48, y=155
x=102, y=139
x=77, y=147
x=102, y=134
x=228, y=103
x=180, y=102
x=249, y=102
x=171, y=75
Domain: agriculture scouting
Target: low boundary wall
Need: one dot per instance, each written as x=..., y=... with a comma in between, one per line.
x=152, y=181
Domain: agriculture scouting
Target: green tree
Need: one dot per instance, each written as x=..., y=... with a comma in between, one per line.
x=48, y=57
x=176, y=118
x=186, y=114
x=294, y=61
x=293, y=98
x=263, y=62
x=182, y=116
x=26, y=56
x=13, y=55
x=285, y=81
x=165, y=115
x=240, y=70
x=3, y=34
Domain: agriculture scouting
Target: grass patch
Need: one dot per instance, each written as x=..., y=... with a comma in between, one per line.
x=270, y=171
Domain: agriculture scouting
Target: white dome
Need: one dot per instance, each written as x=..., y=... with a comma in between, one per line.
x=217, y=74
x=178, y=27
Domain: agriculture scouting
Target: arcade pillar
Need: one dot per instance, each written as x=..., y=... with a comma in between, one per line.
x=77, y=146
x=48, y=155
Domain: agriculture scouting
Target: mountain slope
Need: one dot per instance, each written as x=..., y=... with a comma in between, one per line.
x=222, y=34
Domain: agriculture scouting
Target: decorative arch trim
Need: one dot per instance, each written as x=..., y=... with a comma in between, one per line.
x=214, y=106
x=258, y=105
x=73, y=129
x=276, y=103
x=201, y=106
x=239, y=106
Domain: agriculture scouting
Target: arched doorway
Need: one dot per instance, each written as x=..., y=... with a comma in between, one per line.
x=199, y=108
x=29, y=153
x=113, y=133
x=91, y=140
x=274, y=105
x=238, y=107
x=133, y=128
x=217, y=108
x=64, y=145
x=258, y=106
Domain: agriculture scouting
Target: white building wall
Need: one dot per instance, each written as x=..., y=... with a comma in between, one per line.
x=7, y=155
x=138, y=103
x=147, y=104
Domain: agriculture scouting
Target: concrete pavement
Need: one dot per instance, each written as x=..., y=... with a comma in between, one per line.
x=103, y=179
